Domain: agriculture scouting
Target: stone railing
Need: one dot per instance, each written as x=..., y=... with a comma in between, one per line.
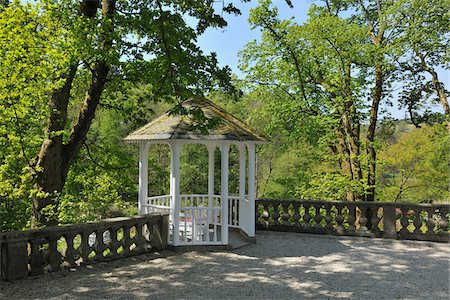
x=33, y=252
x=429, y=222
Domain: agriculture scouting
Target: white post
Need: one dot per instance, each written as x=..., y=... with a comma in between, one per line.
x=224, y=194
x=251, y=189
x=243, y=206
x=211, y=150
x=175, y=190
x=143, y=176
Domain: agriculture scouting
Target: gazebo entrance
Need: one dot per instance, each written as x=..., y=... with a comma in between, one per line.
x=201, y=219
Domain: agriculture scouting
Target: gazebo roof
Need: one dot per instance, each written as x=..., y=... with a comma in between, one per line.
x=172, y=126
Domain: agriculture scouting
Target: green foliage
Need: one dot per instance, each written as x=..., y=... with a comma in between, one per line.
x=303, y=82
x=415, y=169
x=102, y=182
x=153, y=57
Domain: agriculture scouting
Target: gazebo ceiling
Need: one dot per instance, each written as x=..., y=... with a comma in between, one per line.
x=183, y=127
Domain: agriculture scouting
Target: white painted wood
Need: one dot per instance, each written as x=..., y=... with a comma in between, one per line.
x=143, y=176
x=243, y=205
x=211, y=150
x=224, y=193
x=233, y=212
x=175, y=180
x=251, y=189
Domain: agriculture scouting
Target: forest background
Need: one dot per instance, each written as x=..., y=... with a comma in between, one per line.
x=75, y=80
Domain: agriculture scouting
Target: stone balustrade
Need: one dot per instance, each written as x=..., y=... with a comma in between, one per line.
x=428, y=222
x=33, y=252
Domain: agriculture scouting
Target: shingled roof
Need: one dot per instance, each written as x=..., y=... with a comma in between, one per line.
x=172, y=126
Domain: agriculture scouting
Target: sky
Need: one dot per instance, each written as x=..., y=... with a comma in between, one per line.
x=227, y=42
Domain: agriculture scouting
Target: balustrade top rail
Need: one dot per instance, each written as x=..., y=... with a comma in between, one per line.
x=372, y=219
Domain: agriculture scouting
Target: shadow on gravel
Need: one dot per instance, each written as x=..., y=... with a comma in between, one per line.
x=280, y=266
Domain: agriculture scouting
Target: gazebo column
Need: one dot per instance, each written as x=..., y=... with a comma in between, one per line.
x=251, y=189
x=175, y=190
x=211, y=150
x=224, y=193
x=143, y=177
x=243, y=204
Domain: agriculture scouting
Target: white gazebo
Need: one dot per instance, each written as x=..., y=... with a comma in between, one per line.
x=201, y=219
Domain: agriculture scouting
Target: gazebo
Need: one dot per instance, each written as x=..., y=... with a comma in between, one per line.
x=201, y=219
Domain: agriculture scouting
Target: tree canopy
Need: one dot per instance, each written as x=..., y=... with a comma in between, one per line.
x=78, y=76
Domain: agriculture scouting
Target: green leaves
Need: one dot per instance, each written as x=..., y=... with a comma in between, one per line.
x=151, y=55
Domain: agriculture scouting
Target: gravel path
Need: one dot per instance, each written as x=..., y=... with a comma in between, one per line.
x=279, y=266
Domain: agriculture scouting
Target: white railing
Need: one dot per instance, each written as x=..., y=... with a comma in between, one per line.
x=158, y=202
x=199, y=222
x=198, y=200
x=199, y=225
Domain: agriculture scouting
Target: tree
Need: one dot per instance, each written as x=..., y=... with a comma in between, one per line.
x=422, y=40
x=321, y=67
x=102, y=44
x=415, y=169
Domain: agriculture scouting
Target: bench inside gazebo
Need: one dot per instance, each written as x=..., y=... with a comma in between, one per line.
x=201, y=219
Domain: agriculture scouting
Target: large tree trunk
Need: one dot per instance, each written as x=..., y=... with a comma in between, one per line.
x=49, y=177
x=56, y=156
x=351, y=123
x=371, y=152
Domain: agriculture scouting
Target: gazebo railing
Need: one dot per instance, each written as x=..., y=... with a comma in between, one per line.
x=199, y=226
x=162, y=202
x=198, y=222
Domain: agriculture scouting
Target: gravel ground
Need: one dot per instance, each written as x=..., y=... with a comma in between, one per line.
x=279, y=266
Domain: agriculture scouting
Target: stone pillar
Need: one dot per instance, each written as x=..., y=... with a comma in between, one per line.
x=14, y=257
x=389, y=220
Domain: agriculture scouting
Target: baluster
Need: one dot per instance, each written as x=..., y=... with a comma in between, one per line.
x=54, y=256
x=85, y=248
x=265, y=215
x=352, y=217
x=306, y=216
x=69, y=255
x=276, y=214
x=139, y=239
x=285, y=215
x=339, y=219
x=318, y=217
x=417, y=221
x=430, y=223
x=328, y=226
x=363, y=220
x=296, y=216
x=375, y=221
x=114, y=243
x=404, y=222
x=126, y=240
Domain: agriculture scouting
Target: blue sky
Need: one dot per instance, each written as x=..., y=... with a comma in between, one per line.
x=229, y=41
